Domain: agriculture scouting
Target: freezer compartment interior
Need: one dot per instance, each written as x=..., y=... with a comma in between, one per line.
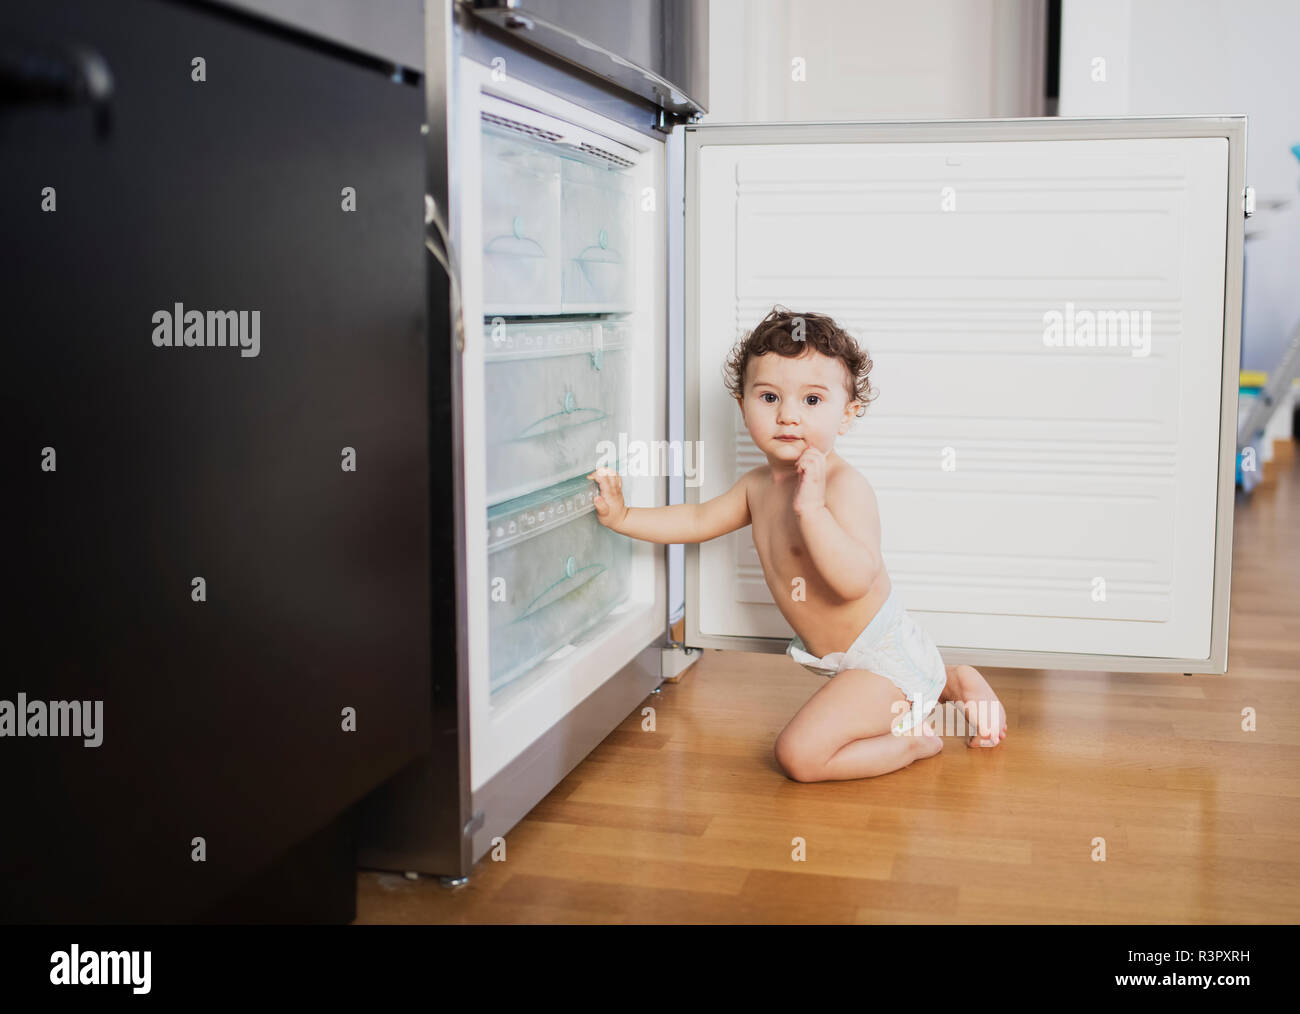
x=564, y=287
x=555, y=571
x=556, y=390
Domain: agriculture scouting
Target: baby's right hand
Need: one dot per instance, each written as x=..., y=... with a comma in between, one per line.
x=610, y=508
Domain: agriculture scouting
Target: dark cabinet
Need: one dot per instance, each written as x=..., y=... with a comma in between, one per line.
x=201, y=206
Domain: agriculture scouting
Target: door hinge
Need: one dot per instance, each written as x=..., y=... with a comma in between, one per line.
x=665, y=122
x=1248, y=201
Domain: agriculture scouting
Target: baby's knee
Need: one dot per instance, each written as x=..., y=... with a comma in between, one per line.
x=794, y=761
x=787, y=760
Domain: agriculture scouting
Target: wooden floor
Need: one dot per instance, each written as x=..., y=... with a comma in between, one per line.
x=694, y=823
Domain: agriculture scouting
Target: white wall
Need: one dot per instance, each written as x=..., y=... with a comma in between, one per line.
x=1209, y=57
x=872, y=59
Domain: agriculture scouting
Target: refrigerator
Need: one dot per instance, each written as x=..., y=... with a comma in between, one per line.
x=1053, y=307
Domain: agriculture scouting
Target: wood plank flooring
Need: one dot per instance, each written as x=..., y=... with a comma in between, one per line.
x=694, y=823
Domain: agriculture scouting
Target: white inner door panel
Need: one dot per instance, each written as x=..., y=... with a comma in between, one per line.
x=1032, y=497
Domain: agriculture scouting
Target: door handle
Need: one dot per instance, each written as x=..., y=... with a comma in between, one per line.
x=66, y=76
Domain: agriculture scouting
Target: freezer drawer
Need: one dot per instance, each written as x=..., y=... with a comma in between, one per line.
x=554, y=570
x=558, y=228
x=556, y=390
x=597, y=231
x=521, y=225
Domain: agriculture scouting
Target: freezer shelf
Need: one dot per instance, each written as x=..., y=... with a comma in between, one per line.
x=555, y=571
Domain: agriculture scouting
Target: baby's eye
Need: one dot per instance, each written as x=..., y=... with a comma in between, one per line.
x=765, y=396
x=816, y=398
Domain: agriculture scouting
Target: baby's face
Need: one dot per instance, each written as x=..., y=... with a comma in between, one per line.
x=804, y=398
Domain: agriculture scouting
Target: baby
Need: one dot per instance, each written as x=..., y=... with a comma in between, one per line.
x=799, y=380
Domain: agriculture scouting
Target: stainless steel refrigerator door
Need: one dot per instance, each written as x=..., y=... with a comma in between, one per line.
x=1043, y=504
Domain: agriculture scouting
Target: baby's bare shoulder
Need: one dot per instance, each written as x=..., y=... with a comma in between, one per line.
x=852, y=502
x=849, y=486
x=756, y=481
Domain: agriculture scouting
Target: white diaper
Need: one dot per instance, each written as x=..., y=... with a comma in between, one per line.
x=894, y=646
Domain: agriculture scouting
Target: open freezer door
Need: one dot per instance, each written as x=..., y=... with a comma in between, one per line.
x=1053, y=307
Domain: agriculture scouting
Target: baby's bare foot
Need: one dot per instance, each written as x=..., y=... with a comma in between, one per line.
x=986, y=719
x=928, y=743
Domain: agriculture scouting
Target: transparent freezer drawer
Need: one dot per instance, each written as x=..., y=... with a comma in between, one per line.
x=521, y=226
x=596, y=209
x=554, y=391
x=555, y=571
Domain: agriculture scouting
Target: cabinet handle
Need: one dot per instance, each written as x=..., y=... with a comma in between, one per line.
x=66, y=76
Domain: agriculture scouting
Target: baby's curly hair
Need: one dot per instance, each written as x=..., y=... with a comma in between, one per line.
x=776, y=333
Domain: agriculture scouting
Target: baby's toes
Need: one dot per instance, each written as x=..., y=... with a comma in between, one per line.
x=978, y=734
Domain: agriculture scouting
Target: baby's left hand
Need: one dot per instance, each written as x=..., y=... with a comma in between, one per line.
x=811, y=494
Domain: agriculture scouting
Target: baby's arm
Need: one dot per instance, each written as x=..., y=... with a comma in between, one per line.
x=676, y=523
x=843, y=535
